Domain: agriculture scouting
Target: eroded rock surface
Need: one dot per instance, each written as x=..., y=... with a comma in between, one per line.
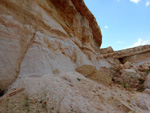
x=50, y=62
x=91, y=72
x=138, y=55
x=147, y=82
x=39, y=32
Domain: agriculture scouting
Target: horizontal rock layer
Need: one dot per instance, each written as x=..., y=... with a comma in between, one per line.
x=135, y=55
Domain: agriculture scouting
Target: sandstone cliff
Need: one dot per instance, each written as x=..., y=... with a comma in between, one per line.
x=43, y=26
x=50, y=62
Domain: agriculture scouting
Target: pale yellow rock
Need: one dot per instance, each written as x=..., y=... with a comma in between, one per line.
x=137, y=55
x=43, y=42
x=120, y=67
x=28, y=29
x=97, y=75
x=127, y=65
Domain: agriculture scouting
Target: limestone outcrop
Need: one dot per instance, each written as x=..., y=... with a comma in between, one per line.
x=50, y=62
x=135, y=55
x=38, y=29
x=81, y=7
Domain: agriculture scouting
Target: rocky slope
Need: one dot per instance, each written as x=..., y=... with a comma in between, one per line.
x=50, y=62
x=133, y=55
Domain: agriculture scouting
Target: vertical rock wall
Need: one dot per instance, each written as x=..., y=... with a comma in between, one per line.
x=38, y=37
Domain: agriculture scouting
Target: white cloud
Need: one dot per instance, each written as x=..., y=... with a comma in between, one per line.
x=120, y=42
x=147, y=3
x=135, y=1
x=105, y=27
x=140, y=42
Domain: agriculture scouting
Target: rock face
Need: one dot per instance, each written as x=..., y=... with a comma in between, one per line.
x=138, y=55
x=50, y=61
x=106, y=50
x=41, y=31
x=80, y=6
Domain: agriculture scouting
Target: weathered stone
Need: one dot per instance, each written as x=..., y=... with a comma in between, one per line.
x=43, y=42
x=147, y=91
x=139, y=68
x=129, y=78
x=137, y=55
x=86, y=70
x=120, y=67
x=127, y=65
x=147, y=81
x=41, y=31
x=106, y=50
x=110, y=50
x=81, y=7
x=94, y=74
x=142, y=104
x=128, y=71
x=145, y=67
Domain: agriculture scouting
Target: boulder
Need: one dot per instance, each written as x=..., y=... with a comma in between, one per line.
x=127, y=65
x=145, y=67
x=92, y=73
x=120, y=67
x=86, y=70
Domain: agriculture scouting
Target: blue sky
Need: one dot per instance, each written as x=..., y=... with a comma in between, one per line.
x=124, y=23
